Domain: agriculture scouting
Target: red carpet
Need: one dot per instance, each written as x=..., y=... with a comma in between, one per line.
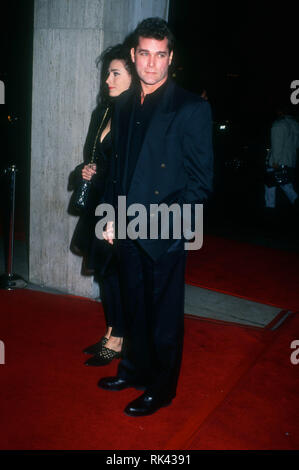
x=253, y=272
x=236, y=389
x=269, y=393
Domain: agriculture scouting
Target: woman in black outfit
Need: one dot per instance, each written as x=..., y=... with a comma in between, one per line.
x=99, y=256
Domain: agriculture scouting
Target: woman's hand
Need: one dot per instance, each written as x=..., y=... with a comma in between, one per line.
x=108, y=234
x=88, y=171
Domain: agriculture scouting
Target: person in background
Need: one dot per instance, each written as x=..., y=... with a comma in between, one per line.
x=283, y=154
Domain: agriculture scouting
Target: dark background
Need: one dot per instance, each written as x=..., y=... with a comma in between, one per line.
x=16, y=35
x=245, y=56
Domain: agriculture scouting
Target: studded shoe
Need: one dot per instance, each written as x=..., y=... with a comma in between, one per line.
x=97, y=347
x=104, y=357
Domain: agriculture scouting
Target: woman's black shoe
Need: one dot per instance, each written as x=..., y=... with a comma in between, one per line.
x=97, y=347
x=103, y=358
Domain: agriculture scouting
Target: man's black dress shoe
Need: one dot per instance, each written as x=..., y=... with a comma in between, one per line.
x=97, y=347
x=146, y=405
x=117, y=384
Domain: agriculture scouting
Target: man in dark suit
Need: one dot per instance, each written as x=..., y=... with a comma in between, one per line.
x=163, y=154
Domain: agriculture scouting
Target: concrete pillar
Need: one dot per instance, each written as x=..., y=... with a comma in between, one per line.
x=68, y=37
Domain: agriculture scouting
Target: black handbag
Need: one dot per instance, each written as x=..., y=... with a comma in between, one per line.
x=83, y=189
x=278, y=176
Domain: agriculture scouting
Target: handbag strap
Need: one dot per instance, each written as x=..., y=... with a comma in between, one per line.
x=97, y=136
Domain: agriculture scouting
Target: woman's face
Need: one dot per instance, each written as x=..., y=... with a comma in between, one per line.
x=118, y=79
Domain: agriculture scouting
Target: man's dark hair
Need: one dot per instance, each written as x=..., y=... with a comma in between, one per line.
x=155, y=28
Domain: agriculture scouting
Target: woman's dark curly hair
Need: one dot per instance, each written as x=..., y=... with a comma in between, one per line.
x=117, y=52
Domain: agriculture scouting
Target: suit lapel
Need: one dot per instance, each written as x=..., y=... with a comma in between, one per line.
x=127, y=139
x=123, y=135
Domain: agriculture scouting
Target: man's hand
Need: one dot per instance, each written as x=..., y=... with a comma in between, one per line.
x=108, y=234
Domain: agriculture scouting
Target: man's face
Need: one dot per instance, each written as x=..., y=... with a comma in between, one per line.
x=152, y=60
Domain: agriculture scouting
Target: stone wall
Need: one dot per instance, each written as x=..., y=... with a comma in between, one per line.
x=68, y=37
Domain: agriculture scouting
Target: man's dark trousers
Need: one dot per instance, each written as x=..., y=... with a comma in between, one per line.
x=173, y=164
x=154, y=301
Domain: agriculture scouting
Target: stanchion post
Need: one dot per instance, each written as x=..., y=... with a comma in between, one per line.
x=9, y=280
